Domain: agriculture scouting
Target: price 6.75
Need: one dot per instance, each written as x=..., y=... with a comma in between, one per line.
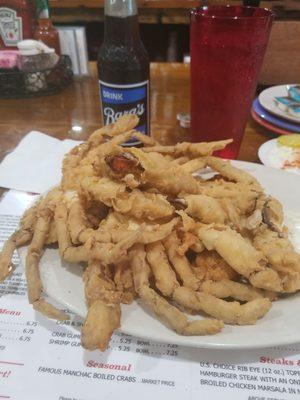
x=24, y=338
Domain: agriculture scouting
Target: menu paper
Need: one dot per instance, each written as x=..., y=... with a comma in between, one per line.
x=43, y=359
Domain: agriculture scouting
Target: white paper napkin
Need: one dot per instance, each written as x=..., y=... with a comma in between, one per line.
x=35, y=164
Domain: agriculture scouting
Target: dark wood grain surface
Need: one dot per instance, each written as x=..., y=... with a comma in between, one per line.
x=287, y=4
x=75, y=113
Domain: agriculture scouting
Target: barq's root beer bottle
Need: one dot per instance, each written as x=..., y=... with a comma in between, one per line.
x=123, y=66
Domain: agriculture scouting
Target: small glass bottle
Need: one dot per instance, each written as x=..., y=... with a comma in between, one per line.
x=45, y=31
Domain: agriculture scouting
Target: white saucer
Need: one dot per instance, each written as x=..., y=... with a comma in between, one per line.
x=273, y=155
x=266, y=99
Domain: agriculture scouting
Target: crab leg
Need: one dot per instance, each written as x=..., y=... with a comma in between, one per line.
x=229, y=312
x=194, y=165
x=167, y=179
x=77, y=221
x=98, y=285
x=34, y=254
x=241, y=256
x=123, y=124
x=49, y=310
x=6, y=266
x=165, y=278
x=180, y=262
x=161, y=307
x=17, y=239
x=52, y=235
x=192, y=150
x=67, y=251
x=109, y=253
x=233, y=248
x=100, y=323
x=226, y=288
x=204, y=208
x=104, y=308
x=230, y=172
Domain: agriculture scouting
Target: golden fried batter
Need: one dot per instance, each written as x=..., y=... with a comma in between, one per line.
x=145, y=226
x=210, y=266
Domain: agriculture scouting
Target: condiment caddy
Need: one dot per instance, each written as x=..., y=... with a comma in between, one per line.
x=30, y=67
x=34, y=70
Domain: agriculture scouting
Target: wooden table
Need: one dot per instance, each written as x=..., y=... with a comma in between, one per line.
x=75, y=113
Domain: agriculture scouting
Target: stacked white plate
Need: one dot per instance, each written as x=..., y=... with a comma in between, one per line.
x=268, y=112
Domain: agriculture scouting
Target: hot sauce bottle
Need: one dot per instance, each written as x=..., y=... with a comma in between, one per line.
x=16, y=22
x=45, y=31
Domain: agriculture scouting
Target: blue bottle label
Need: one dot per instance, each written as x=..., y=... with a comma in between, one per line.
x=117, y=100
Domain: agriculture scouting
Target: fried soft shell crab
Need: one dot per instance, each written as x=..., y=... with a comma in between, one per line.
x=148, y=226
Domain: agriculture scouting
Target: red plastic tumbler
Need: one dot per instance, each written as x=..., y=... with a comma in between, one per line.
x=227, y=45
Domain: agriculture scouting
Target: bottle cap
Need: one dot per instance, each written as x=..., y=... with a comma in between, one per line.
x=184, y=120
x=42, y=8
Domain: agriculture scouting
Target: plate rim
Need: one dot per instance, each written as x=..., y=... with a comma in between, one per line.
x=261, y=147
x=276, y=111
x=267, y=125
x=274, y=119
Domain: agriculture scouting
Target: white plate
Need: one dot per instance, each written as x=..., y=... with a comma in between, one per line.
x=62, y=282
x=266, y=99
x=273, y=155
